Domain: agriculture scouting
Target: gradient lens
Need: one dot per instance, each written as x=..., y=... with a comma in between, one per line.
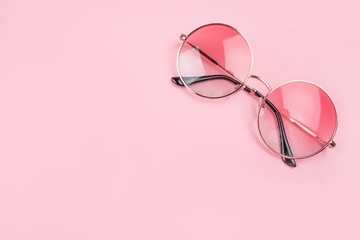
x=309, y=118
x=214, y=50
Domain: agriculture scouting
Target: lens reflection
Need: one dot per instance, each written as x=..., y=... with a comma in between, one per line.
x=215, y=49
x=308, y=114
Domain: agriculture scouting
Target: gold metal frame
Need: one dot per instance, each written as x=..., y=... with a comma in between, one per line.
x=183, y=38
x=262, y=80
x=329, y=143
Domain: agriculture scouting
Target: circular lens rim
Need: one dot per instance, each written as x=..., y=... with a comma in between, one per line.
x=182, y=44
x=312, y=154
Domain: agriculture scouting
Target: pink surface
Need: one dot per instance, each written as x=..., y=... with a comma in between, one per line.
x=97, y=143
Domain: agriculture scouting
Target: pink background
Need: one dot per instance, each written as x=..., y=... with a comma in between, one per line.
x=97, y=143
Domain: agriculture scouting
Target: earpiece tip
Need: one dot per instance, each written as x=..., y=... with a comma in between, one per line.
x=177, y=81
x=289, y=161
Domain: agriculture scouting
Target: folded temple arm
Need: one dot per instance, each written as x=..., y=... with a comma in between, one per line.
x=285, y=147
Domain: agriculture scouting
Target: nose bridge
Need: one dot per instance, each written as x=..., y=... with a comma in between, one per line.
x=262, y=81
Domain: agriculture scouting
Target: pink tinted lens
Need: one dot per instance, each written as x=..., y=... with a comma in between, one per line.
x=210, y=50
x=308, y=114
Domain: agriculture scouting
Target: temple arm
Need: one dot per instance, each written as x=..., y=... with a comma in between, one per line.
x=285, y=147
x=297, y=123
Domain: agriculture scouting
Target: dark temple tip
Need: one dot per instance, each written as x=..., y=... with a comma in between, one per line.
x=177, y=81
x=288, y=161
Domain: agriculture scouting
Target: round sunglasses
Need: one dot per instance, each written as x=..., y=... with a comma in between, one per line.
x=296, y=120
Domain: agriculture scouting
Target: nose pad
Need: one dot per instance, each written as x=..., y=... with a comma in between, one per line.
x=262, y=103
x=237, y=86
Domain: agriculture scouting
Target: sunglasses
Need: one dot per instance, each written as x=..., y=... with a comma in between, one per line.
x=296, y=120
